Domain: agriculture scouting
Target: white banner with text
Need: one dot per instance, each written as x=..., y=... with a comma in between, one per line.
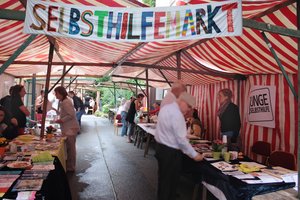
x=261, y=106
x=216, y=19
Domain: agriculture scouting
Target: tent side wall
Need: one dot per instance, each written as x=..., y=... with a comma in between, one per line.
x=6, y=82
x=285, y=134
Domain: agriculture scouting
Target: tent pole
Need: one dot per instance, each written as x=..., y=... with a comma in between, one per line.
x=71, y=81
x=154, y=80
x=165, y=77
x=115, y=96
x=148, y=97
x=12, y=58
x=298, y=27
x=27, y=85
x=178, y=59
x=50, y=58
x=280, y=65
x=61, y=78
x=33, y=91
x=130, y=89
x=136, y=87
x=64, y=72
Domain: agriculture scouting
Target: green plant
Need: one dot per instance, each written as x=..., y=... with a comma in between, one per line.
x=100, y=114
x=217, y=145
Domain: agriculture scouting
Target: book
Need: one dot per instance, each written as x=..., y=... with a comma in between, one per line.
x=28, y=185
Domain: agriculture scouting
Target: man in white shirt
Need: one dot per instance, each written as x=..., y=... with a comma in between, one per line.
x=173, y=94
x=171, y=141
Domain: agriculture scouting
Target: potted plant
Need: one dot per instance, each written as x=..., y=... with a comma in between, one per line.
x=217, y=147
x=50, y=131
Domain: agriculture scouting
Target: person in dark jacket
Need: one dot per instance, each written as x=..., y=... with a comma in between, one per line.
x=8, y=127
x=134, y=107
x=229, y=116
x=17, y=107
x=6, y=101
x=78, y=105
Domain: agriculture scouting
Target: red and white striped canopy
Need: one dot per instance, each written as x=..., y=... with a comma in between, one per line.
x=244, y=55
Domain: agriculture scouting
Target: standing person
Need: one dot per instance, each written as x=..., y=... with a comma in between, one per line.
x=69, y=125
x=176, y=89
x=17, y=107
x=229, y=116
x=171, y=141
x=124, y=110
x=39, y=105
x=134, y=107
x=92, y=104
x=78, y=105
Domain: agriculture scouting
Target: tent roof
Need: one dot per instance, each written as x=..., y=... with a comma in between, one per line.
x=246, y=55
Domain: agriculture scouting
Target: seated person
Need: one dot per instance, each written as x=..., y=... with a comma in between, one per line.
x=195, y=124
x=156, y=107
x=8, y=127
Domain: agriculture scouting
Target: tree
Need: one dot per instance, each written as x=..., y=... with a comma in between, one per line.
x=151, y=3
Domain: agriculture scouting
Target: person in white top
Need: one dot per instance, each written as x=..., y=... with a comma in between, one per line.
x=173, y=94
x=69, y=125
x=171, y=141
x=123, y=110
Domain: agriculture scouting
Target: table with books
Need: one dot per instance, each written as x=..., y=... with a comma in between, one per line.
x=34, y=169
x=241, y=178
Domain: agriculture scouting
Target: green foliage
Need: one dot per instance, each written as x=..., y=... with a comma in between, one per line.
x=100, y=114
x=102, y=79
x=108, y=100
x=91, y=94
x=149, y=2
x=105, y=108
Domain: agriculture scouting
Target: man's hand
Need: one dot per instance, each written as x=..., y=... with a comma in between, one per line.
x=198, y=157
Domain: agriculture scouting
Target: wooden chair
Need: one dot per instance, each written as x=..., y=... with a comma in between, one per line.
x=117, y=123
x=263, y=149
x=283, y=159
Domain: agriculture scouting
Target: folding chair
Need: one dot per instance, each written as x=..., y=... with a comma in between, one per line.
x=282, y=159
x=263, y=149
x=117, y=123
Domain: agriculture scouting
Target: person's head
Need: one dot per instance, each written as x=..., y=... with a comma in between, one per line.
x=132, y=98
x=18, y=90
x=195, y=113
x=186, y=102
x=42, y=92
x=60, y=93
x=71, y=94
x=123, y=101
x=11, y=90
x=140, y=96
x=224, y=95
x=156, y=105
x=178, y=88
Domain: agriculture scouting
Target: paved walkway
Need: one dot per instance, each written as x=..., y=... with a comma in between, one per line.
x=109, y=168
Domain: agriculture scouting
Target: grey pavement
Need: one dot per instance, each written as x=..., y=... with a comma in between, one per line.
x=109, y=168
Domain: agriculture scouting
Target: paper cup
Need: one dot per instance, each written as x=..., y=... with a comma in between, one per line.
x=226, y=156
